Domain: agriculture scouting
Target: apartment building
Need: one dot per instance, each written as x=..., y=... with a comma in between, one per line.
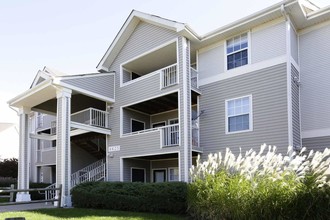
x=164, y=94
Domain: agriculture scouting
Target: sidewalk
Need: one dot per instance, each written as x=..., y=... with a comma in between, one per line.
x=11, y=208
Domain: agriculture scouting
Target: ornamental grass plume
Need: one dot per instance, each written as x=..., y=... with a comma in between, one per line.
x=263, y=184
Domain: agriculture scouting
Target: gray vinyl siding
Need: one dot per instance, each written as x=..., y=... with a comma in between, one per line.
x=164, y=117
x=135, y=163
x=295, y=108
x=128, y=115
x=211, y=62
x=268, y=43
x=314, y=72
x=142, y=90
x=294, y=44
x=269, y=102
x=102, y=85
x=316, y=143
x=49, y=157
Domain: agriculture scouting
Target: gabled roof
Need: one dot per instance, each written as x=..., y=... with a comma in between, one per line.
x=130, y=24
x=45, y=74
x=304, y=13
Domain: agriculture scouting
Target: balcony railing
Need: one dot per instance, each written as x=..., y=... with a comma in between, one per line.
x=194, y=78
x=170, y=135
x=169, y=76
x=91, y=116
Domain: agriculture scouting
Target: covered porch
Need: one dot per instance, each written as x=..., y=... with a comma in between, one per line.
x=79, y=107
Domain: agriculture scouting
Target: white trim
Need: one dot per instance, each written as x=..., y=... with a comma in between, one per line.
x=86, y=75
x=150, y=154
x=168, y=174
x=158, y=169
x=121, y=169
x=185, y=108
x=248, y=35
x=313, y=28
x=288, y=74
x=243, y=70
x=159, y=122
x=150, y=98
x=139, y=168
x=133, y=119
x=315, y=133
x=250, y=115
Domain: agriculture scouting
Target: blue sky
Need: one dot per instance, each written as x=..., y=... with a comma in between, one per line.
x=73, y=35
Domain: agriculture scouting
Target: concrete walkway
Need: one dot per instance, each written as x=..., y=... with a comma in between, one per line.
x=22, y=207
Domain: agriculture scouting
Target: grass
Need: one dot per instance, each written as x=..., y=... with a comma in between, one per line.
x=84, y=214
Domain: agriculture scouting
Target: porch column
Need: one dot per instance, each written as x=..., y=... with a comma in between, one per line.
x=185, y=108
x=63, y=146
x=23, y=157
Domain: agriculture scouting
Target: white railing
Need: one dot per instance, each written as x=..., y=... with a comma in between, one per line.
x=170, y=135
x=53, y=127
x=169, y=76
x=50, y=194
x=140, y=132
x=194, y=78
x=92, y=172
x=195, y=137
x=92, y=116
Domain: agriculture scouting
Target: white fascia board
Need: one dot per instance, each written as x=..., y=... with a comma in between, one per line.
x=245, y=20
x=29, y=92
x=81, y=76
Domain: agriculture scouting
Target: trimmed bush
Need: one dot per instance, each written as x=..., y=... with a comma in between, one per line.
x=261, y=186
x=138, y=197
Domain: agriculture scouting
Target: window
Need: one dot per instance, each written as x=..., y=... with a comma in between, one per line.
x=237, y=51
x=137, y=125
x=239, y=114
x=138, y=175
x=158, y=124
x=173, y=174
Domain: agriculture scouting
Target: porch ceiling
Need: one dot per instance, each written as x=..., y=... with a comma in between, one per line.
x=161, y=104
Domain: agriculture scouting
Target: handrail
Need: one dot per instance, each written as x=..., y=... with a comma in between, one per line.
x=35, y=201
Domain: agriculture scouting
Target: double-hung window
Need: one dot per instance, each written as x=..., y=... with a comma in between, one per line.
x=237, y=51
x=239, y=114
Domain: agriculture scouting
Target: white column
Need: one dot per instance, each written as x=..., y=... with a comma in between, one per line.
x=23, y=158
x=63, y=146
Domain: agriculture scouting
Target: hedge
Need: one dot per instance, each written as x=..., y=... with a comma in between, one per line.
x=139, y=197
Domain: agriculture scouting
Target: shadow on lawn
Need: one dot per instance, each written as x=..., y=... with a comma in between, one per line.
x=83, y=213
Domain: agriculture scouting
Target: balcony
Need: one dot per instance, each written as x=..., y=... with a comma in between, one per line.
x=91, y=117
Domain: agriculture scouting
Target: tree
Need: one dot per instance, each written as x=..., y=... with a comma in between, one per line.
x=9, y=168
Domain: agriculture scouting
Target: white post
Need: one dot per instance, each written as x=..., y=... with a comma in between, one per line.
x=63, y=147
x=23, y=158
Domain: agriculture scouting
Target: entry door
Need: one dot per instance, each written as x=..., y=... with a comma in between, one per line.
x=138, y=175
x=159, y=176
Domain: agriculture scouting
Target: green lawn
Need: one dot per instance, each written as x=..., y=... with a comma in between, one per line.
x=84, y=214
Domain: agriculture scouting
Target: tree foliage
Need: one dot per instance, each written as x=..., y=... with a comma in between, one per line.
x=9, y=167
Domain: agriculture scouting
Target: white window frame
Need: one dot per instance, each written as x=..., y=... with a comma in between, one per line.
x=133, y=119
x=248, y=50
x=250, y=115
x=159, y=122
x=169, y=171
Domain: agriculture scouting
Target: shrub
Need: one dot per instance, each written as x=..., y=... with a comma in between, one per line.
x=261, y=186
x=140, y=197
